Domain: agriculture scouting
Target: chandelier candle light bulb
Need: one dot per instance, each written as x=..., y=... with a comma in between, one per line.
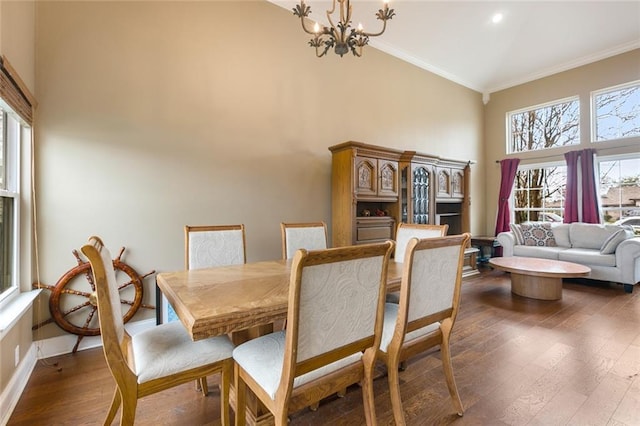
x=342, y=37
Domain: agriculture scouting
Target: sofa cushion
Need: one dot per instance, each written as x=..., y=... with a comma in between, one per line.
x=538, y=234
x=610, y=244
x=537, y=251
x=517, y=233
x=587, y=257
x=561, y=234
x=590, y=235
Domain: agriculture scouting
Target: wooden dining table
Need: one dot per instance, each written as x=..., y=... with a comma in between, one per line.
x=238, y=299
x=241, y=300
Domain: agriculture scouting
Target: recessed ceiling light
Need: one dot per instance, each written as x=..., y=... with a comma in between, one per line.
x=497, y=18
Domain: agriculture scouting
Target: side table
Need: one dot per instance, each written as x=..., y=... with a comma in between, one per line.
x=482, y=243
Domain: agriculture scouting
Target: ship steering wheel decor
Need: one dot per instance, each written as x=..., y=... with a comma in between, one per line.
x=73, y=302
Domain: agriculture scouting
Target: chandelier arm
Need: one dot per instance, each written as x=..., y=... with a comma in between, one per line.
x=384, y=27
x=345, y=5
x=346, y=19
x=304, y=26
x=333, y=26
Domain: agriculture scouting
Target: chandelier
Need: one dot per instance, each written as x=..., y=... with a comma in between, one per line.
x=341, y=36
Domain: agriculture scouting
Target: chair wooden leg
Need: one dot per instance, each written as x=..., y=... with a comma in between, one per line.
x=241, y=401
x=115, y=404
x=129, y=404
x=204, y=387
x=281, y=418
x=314, y=406
x=225, y=384
x=368, y=398
x=342, y=393
x=448, y=372
x=394, y=391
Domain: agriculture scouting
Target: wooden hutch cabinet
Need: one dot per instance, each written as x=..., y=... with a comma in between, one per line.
x=374, y=188
x=364, y=193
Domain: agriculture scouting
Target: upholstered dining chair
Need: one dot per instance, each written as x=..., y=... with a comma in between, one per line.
x=214, y=245
x=310, y=236
x=155, y=359
x=208, y=246
x=404, y=233
x=426, y=312
x=334, y=326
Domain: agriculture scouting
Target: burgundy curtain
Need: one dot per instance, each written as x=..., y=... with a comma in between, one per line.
x=590, y=210
x=571, y=195
x=586, y=186
x=508, y=169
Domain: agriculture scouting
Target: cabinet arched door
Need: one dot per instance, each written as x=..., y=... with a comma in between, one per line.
x=388, y=176
x=420, y=186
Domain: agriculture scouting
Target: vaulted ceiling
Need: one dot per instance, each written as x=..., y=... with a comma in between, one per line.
x=460, y=41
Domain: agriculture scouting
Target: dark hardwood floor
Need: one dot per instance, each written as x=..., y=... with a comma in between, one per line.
x=517, y=361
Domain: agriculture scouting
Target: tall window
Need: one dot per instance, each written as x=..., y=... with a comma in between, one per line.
x=9, y=201
x=616, y=112
x=620, y=190
x=544, y=126
x=539, y=193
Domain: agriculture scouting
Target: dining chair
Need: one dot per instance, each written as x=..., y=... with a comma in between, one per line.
x=310, y=236
x=404, y=233
x=214, y=245
x=208, y=246
x=334, y=317
x=155, y=359
x=426, y=312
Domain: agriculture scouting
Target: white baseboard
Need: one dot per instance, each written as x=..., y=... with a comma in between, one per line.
x=13, y=391
x=61, y=345
x=47, y=348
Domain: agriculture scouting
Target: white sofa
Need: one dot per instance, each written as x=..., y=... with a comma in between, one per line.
x=612, y=252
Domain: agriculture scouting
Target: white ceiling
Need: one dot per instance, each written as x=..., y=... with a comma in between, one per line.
x=458, y=40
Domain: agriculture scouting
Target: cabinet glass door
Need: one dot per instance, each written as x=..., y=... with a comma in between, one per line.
x=420, y=186
x=404, y=195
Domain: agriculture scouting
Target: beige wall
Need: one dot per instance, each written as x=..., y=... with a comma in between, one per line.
x=154, y=115
x=17, y=44
x=17, y=37
x=580, y=82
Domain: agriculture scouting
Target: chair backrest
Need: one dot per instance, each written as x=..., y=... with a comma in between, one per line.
x=216, y=245
x=310, y=236
x=406, y=231
x=431, y=280
x=115, y=339
x=336, y=305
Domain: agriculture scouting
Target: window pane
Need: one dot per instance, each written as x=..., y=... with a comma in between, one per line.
x=620, y=190
x=617, y=113
x=545, y=127
x=539, y=194
x=6, y=243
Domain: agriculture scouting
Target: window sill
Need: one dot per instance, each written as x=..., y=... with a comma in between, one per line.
x=13, y=310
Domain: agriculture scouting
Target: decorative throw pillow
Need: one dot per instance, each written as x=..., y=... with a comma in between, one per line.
x=538, y=234
x=611, y=243
x=517, y=233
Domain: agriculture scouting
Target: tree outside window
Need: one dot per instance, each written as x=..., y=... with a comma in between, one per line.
x=548, y=126
x=616, y=112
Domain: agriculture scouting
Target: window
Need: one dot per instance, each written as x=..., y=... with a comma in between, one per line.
x=539, y=193
x=9, y=201
x=616, y=112
x=620, y=190
x=545, y=126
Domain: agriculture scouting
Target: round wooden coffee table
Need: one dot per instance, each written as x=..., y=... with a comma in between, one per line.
x=538, y=278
